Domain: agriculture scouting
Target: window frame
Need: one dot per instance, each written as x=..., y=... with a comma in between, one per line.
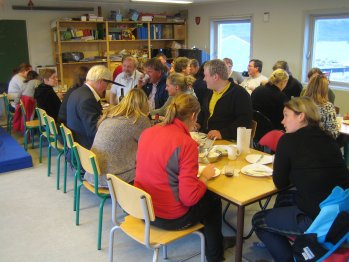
x=214, y=24
x=309, y=37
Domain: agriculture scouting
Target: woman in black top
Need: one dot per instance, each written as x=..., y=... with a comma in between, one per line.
x=46, y=98
x=308, y=159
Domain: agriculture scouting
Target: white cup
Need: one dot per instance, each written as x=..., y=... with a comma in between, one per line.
x=233, y=152
x=339, y=121
x=145, y=78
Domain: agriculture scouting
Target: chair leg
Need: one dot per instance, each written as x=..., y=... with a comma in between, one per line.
x=202, y=242
x=32, y=137
x=77, y=200
x=59, y=168
x=75, y=187
x=40, y=148
x=25, y=138
x=164, y=252
x=156, y=255
x=49, y=160
x=65, y=176
x=111, y=243
x=100, y=221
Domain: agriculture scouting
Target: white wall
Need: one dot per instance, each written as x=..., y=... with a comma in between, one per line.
x=280, y=38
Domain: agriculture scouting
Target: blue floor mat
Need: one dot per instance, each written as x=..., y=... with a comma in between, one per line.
x=12, y=155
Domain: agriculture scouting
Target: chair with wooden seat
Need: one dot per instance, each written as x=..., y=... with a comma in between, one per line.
x=51, y=132
x=139, y=207
x=68, y=142
x=42, y=128
x=270, y=140
x=253, y=131
x=9, y=114
x=29, y=126
x=264, y=125
x=87, y=160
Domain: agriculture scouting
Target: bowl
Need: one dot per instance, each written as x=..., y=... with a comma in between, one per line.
x=212, y=157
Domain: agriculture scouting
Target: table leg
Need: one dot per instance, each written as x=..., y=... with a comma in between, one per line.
x=239, y=233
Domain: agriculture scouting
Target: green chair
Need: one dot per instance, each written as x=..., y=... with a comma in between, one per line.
x=42, y=128
x=29, y=126
x=87, y=159
x=68, y=145
x=52, y=131
x=9, y=114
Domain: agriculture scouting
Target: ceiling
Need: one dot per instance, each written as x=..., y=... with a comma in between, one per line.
x=128, y=1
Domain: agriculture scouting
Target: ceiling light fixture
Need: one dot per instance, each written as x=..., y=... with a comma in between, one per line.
x=165, y=1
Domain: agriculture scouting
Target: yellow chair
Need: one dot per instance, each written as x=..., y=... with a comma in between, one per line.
x=42, y=128
x=52, y=132
x=9, y=114
x=68, y=145
x=87, y=160
x=29, y=126
x=138, y=204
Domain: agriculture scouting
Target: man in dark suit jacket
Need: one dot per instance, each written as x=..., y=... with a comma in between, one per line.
x=84, y=108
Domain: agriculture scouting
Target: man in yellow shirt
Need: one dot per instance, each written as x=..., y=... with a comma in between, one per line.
x=227, y=105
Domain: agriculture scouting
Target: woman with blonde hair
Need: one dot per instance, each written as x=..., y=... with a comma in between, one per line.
x=318, y=90
x=176, y=83
x=310, y=161
x=116, y=140
x=167, y=168
x=269, y=99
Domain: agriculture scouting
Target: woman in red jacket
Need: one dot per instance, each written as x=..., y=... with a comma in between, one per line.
x=167, y=168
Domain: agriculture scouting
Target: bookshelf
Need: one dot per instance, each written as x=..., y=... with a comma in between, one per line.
x=100, y=42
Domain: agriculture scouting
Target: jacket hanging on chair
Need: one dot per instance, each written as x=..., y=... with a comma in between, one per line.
x=29, y=107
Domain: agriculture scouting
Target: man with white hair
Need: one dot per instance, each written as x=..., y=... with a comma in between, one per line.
x=128, y=77
x=84, y=108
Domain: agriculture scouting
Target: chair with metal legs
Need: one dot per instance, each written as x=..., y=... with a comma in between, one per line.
x=29, y=126
x=42, y=128
x=9, y=114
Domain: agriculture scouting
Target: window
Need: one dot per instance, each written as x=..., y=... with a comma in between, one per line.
x=328, y=47
x=232, y=38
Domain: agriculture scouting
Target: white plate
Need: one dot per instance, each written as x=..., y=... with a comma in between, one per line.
x=197, y=136
x=346, y=122
x=217, y=172
x=257, y=170
x=222, y=149
x=266, y=159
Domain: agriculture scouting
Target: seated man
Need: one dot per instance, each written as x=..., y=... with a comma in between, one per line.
x=129, y=78
x=236, y=76
x=255, y=78
x=155, y=84
x=227, y=105
x=84, y=108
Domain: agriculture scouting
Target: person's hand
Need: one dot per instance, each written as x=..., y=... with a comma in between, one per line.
x=214, y=134
x=207, y=173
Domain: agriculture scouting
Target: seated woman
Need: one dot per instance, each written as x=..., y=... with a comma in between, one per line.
x=116, y=140
x=176, y=83
x=46, y=98
x=29, y=85
x=167, y=168
x=317, y=90
x=269, y=99
x=308, y=159
x=182, y=65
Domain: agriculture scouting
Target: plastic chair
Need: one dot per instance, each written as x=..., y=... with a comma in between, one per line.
x=51, y=131
x=68, y=145
x=29, y=126
x=139, y=207
x=264, y=125
x=271, y=139
x=9, y=114
x=42, y=128
x=87, y=159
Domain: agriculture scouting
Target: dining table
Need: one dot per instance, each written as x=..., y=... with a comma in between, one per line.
x=344, y=130
x=240, y=190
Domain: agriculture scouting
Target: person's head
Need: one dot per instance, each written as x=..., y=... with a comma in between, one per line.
x=314, y=71
x=31, y=75
x=184, y=107
x=229, y=63
x=134, y=105
x=178, y=83
x=80, y=75
x=129, y=65
x=155, y=69
x=281, y=64
x=162, y=58
x=182, y=65
x=24, y=68
x=49, y=77
x=255, y=67
x=279, y=78
x=317, y=89
x=215, y=70
x=300, y=112
x=96, y=77
x=194, y=66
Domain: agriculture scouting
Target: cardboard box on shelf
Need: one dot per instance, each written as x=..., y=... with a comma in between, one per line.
x=179, y=32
